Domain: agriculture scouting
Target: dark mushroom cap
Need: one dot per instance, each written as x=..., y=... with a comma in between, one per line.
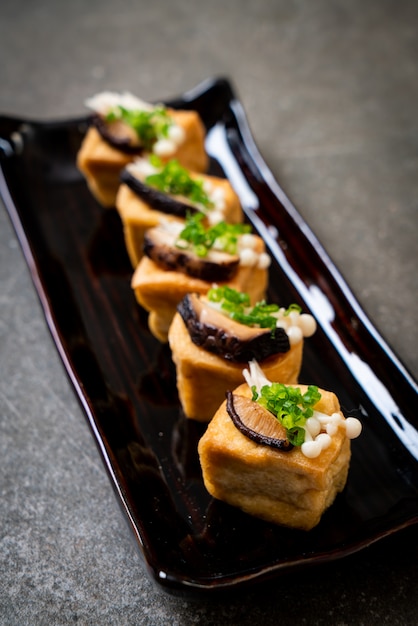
x=217, y=333
x=155, y=198
x=118, y=135
x=159, y=246
x=256, y=422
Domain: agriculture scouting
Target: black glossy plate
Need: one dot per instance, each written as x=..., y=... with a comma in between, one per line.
x=125, y=379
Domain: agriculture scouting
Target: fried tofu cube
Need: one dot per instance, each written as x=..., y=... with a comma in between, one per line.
x=101, y=163
x=283, y=487
x=203, y=377
x=138, y=216
x=159, y=290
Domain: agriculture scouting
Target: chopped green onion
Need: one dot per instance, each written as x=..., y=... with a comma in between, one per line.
x=296, y=435
x=201, y=239
x=237, y=305
x=293, y=307
x=148, y=125
x=227, y=295
x=289, y=406
x=176, y=180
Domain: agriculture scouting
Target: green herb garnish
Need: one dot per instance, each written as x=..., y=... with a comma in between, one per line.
x=228, y=296
x=176, y=180
x=293, y=307
x=201, y=239
x=289, y=406
x=148, y=125
x=237, y=305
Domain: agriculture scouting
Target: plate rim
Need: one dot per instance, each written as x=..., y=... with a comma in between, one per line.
x=258, y=168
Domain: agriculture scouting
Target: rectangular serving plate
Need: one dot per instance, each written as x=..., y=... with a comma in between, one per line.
x=125, y=379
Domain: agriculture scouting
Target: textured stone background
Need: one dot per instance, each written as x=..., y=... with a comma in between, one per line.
x=330, y=90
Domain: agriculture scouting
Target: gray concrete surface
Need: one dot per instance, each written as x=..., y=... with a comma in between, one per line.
x=330, y=89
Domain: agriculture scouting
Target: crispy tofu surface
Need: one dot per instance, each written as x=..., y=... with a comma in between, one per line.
x=137, y=216
x=159, y=291
x=203, y=378
x=285, y=488
x=101, y=163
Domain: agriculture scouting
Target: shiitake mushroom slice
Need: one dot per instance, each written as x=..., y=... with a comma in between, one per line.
x=118, y=135
x=216, y=266
x=155, y=198
x=256, y=422
x=215, y=332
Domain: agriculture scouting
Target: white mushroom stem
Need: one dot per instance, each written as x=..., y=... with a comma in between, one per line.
x=353, y=427
x=107, y=100
x=255, y=377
